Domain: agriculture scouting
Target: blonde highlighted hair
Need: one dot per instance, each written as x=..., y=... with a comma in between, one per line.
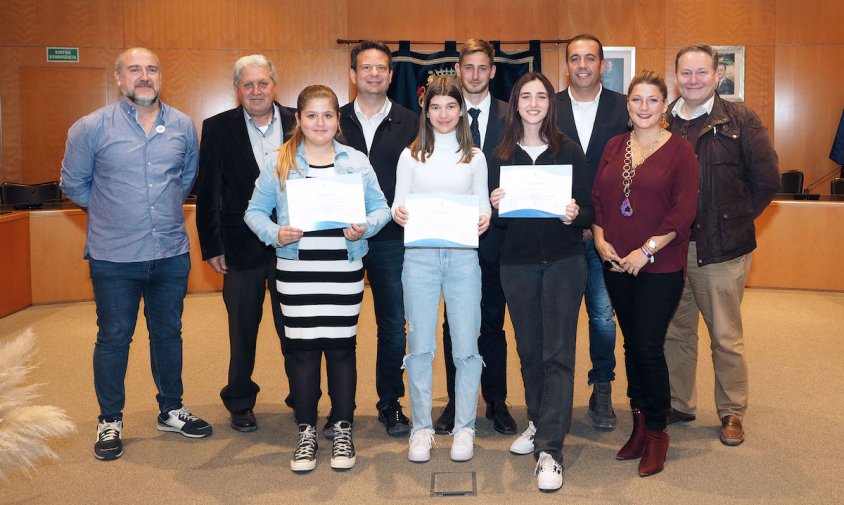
x=287, y=151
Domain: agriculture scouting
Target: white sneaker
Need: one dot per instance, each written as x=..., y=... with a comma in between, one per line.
x=463, y=445
x=549, y=473
x=524, y=444
x=420, y=445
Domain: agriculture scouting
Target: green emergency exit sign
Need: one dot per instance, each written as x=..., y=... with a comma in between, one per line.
x=64, y=54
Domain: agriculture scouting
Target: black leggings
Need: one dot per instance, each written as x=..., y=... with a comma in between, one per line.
x=304, y=369
x=644, y=306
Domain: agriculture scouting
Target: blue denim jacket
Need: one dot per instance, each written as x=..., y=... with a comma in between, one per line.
x=268, y=195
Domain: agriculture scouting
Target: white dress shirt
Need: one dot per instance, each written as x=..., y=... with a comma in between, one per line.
x=370, y=124
x=584, y=117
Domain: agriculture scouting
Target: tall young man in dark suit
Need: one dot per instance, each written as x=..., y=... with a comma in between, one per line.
x=591, y=115
x=375, y=125
x=487, y=116
x=235, y=144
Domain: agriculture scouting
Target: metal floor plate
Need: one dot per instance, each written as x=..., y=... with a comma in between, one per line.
x=454, y=484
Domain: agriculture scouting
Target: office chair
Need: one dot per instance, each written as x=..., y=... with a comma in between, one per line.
x=791, y=181
x=837, y=186
x=29, y=196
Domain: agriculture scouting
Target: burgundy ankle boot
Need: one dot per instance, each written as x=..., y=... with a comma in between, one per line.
x=656, y=450
x=634, y=446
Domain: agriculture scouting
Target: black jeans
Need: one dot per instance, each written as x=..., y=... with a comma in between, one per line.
x=383, y=265
x=544, y=305
x=243, y=294
x=644, y=306
x=304, y=368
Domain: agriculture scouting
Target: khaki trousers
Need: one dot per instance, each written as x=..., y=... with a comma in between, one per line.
x=716, y=291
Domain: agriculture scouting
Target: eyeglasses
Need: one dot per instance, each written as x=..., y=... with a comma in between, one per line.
x=651, y=101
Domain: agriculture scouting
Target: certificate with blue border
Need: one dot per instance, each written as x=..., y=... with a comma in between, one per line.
x=541, y=191
x=324, y=203
x=441, y=220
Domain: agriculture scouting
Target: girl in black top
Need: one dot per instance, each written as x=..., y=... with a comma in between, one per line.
x=543, y=273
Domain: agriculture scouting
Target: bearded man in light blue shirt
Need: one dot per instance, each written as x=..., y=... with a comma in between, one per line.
x=131, y=165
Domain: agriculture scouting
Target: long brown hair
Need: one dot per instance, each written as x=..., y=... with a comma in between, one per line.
x=515, y=131
x=423, y=145
x=287, y=151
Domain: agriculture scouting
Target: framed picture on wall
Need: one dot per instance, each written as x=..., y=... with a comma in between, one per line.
x=621, y=66
x=730, y=73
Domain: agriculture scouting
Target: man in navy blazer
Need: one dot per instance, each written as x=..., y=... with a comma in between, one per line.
x=235, y=145
x=487, y=116
x=591, y=115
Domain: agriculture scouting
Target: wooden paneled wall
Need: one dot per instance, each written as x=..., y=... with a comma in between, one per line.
x=794, y=73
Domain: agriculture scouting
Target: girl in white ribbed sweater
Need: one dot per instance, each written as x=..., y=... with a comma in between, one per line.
x=442, y=160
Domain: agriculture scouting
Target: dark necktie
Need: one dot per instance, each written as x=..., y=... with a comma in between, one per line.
x=476, y=131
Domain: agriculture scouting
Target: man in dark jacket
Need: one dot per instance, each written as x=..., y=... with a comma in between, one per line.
x=739, y=176
x=382, y=129
x=591, y=115
x=235, y=145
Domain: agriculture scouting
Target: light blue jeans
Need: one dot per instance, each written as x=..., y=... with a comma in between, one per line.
x=456, y=274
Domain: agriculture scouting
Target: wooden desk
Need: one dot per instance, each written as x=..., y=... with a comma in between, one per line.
x=55, y=240
x=801, y=246
x=15, y=290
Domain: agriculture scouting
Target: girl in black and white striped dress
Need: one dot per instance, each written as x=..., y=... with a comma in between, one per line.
x=319, y=273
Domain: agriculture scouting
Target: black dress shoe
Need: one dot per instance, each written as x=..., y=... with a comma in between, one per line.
x=328, y=429
x=445, y=423
x=391, y=416
x=678, y=416
x=502, y=421
x=244, y=420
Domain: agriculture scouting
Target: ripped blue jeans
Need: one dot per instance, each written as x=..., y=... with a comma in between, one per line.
x=456, y=275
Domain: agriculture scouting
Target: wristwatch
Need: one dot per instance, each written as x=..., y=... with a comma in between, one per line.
x=648, y=254
x=652, y=245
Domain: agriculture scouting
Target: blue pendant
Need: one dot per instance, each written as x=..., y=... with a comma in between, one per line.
x=626, y=208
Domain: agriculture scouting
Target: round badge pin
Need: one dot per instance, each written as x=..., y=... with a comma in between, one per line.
x=160, y=128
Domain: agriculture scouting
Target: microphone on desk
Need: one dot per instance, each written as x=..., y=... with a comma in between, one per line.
x=820, y=179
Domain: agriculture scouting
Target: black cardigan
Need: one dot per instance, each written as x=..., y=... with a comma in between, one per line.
x=394, y=133
x=539, y=240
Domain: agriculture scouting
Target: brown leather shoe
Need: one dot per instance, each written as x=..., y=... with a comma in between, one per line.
x=732, y=433
x=678, y=416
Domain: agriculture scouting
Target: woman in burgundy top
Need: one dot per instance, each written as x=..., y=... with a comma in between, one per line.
x=645, y=196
